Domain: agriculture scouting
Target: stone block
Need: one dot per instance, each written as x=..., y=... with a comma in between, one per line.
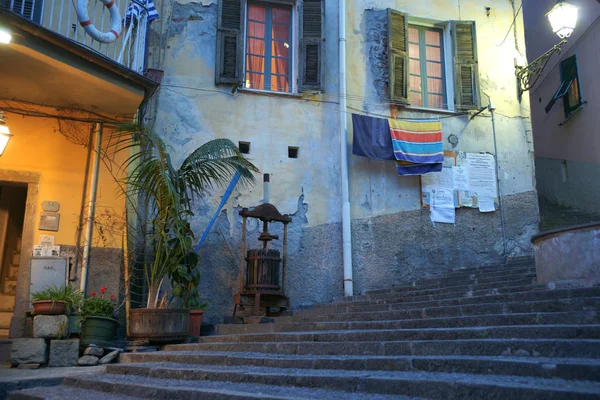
x=64, y=353
x=88, y=361
x=110, y=357
x=50, y=326
x=29, y=351
x=28, y=366
x=94, y=351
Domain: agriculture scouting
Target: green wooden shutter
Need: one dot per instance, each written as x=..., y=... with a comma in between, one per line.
x=311, y=45
x=398, y=56
x=229, y=57
x=466, y=73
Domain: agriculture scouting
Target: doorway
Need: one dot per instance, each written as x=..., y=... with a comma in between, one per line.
x=13, y=199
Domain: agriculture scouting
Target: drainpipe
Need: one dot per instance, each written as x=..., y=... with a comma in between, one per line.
x=346, y=221
x=492, y=110
x=91, y=209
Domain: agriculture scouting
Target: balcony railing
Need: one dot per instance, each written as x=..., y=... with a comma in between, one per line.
x=59, y=16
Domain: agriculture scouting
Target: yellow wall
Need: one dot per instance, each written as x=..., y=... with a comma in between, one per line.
x=38, y=146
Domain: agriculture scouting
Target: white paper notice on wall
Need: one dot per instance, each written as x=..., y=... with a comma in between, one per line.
x=442, y=206
x=460, y=177
x=438, y=180
x=482, y=174
x=486, y=204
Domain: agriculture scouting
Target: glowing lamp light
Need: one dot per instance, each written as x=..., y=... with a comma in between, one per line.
x=5, y=36
x=4, y=135
x=563, y=18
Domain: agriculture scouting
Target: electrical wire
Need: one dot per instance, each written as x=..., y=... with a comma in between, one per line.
x=511, y=25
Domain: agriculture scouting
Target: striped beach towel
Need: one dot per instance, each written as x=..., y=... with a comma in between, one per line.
x=417, y=146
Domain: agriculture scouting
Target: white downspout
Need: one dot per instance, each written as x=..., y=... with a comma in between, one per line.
x=346, y=221
x=91, y=209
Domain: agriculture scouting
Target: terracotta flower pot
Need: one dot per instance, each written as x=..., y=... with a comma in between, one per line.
x=49, y=307
x=195, y=322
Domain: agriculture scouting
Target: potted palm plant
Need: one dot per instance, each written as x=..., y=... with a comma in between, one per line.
x=169, y=193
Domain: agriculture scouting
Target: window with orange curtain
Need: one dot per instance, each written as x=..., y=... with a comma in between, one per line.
x=269, y=47
x=426, y=67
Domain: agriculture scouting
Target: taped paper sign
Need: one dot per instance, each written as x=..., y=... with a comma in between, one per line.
x=442, y=206
x=486, y=204
x=482, y=174
x=460, y=177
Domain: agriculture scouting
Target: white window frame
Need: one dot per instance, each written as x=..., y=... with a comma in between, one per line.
x=295, y=44
x=448, y=59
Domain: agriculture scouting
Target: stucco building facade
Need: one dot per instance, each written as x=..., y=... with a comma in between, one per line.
x=291, y=100
x=567, y=145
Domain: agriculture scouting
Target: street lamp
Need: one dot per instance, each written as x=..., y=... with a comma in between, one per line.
x=563, y=18
x=5, y=36
x=4, y=133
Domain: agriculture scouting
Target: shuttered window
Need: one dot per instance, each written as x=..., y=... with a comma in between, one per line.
x=426, y=67
x=257, y=46
x=398, y=56
x=30, y=9
x=569, y=90
x=466, y=72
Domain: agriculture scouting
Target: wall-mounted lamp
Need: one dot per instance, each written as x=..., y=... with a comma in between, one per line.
x=4, y=133
x=563, y=18
x=5, y=35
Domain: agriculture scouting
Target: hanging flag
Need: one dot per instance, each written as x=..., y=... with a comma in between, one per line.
x=371, y=138
x=417, y=145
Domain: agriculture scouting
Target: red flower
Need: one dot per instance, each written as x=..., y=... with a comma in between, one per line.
x=112, y=296
x=103, y=290
x=93, y=294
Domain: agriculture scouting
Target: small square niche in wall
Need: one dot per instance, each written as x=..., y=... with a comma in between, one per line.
x=244, y=147
x=293, y=152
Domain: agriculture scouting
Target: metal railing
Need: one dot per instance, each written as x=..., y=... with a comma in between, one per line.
x=59, y=16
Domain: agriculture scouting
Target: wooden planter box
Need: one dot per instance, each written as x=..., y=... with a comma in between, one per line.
x=159, y=324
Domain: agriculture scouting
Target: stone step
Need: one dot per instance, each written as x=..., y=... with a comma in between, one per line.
x=14, y=271
x=582, y=369
x=200, y=389
x=561, y=348
x=447, y=293
x=10, y=285
x=64, y=393
x=492, y=332
x=396, y=304
x=563, y=305
x=582, y=317
x=432, y=385
x=458, y=276
x=461, y=288
x=7, y=302
x=4, y=332
x=458, y=281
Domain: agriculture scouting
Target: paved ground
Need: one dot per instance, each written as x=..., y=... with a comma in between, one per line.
x=14, y=379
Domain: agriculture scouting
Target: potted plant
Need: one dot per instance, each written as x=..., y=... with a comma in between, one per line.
x=98, y=325
x=184, y=282
x=168, y=194
x=56, y=300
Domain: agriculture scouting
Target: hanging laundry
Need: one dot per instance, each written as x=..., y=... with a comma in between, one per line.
x=417, y=146
x=135, y=11
x=371, y=138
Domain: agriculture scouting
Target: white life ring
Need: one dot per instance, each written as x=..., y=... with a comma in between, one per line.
x=86, y=23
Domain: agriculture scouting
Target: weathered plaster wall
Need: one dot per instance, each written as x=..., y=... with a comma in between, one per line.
x=38, y=146
x=393, y=239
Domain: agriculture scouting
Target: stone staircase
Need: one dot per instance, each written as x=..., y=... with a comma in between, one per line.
x=478, y=333
x=8, y=290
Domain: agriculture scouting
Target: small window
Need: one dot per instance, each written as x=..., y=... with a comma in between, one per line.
x=292, y=152
x=244, y=147
x=426, y=67
x=568, y=90
x=269, y=47
x=30, y=9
